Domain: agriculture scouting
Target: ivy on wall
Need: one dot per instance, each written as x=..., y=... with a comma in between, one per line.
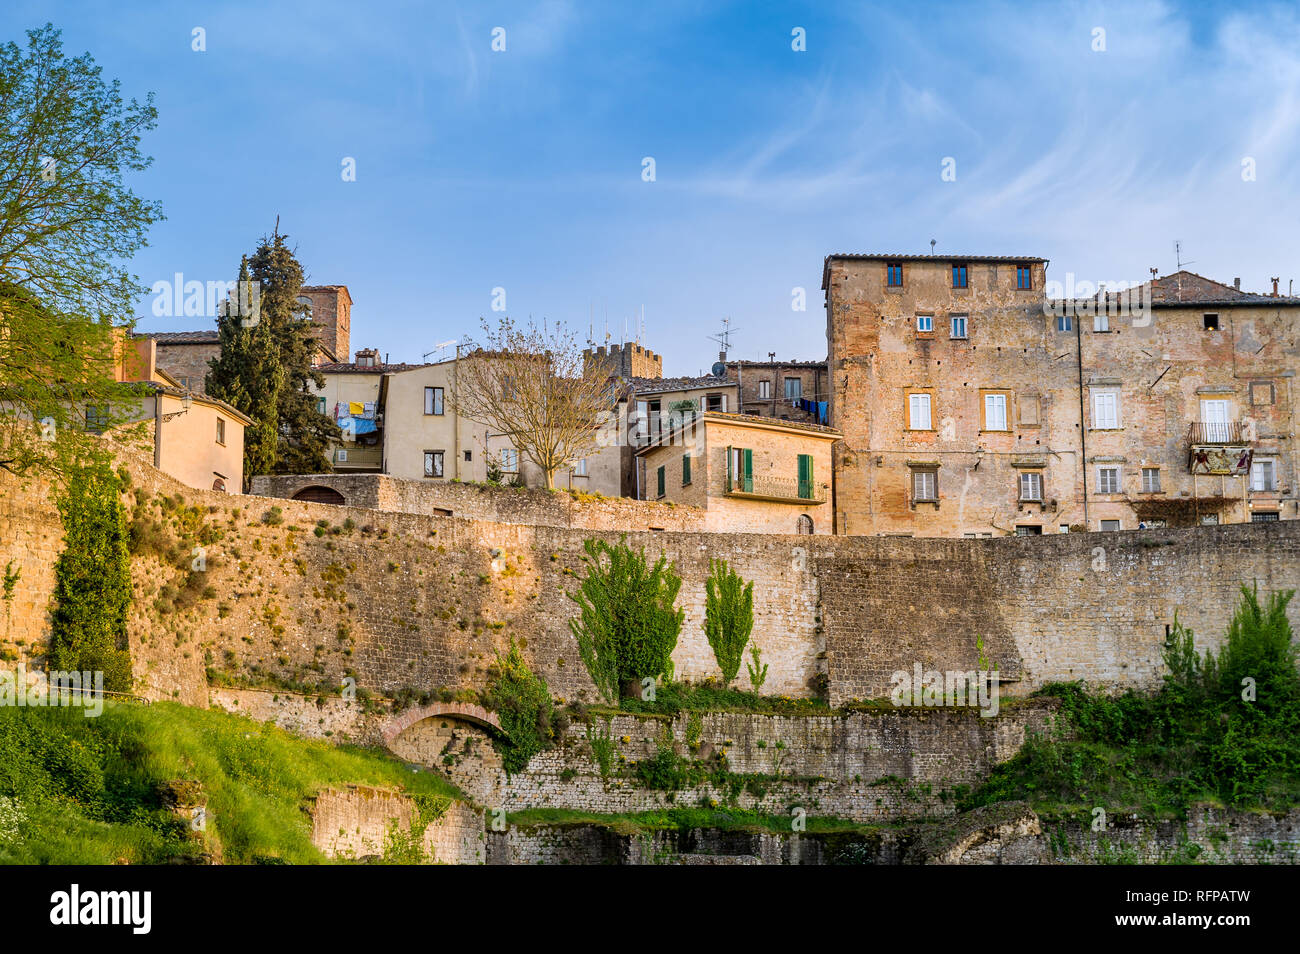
x=92, y=578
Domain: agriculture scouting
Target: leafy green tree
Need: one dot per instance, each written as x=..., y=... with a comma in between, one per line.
x=728, y=616
x=266, y=371
x=92, y=577
x=67, y=223
x=628, y=626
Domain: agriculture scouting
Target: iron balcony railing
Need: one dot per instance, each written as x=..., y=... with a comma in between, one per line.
x=777, y=488
x=1216, y=432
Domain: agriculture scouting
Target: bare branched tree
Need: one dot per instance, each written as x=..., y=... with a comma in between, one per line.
x=527, y=384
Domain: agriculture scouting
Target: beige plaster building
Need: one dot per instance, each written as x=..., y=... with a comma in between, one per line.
x=197, y=439
x=751, y=474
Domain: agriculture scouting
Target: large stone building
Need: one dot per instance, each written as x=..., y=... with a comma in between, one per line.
x=972, y=405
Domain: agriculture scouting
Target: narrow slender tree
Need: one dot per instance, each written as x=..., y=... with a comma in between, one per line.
x=728, y=616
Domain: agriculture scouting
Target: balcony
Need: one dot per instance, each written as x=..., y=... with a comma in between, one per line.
x=775, y=489
x=1217, y=432
x=1221, y=448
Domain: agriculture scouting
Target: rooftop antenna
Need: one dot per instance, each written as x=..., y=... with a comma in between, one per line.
x=724, y=339
x=1178, y=258
x=440, y=346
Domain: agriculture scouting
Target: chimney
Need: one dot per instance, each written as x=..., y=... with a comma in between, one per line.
x=1236, y=283
x=1275, y=281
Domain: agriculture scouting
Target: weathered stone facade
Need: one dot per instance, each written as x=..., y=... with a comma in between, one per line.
x=986, y=410
x=764, y=389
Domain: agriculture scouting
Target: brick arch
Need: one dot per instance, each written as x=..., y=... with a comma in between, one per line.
x=317, y=493
x=464, y=711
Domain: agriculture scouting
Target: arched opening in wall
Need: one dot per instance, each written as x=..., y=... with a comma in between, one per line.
x=219, y=484
x=805, y=524
x=318, y=494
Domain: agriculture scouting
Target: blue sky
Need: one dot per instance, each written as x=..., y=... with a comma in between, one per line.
x=522, y=169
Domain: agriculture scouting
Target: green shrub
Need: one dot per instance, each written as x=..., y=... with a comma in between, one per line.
x=728, y=616
x=628, y=625
x=522, y=701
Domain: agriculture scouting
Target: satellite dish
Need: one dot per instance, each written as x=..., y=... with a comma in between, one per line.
x=719, y=369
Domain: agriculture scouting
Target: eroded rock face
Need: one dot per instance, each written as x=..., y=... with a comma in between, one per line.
x=1002, y=834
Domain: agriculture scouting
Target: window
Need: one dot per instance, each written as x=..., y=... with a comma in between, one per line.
x=1105, y=409
x=1264, y=516
x=895, y=271
x=958, y=326
x=1064, y=528
x=918, y=412
x=764, y=390
x=1211, y=322
x=1031, y=486
x=925, y=324
x=661, y=481
x=1215, y=420
x=365, y=361
x=1263, y=475
x=221, y=431
x=433, y=463
x=686, y=469
x=995, y=411
x=806, y=476
x=580, y=467
x=1023, y=277
x=804, y=524
x=1107, y=480
x=433, y=400
x=469, y=456
x=341, y=456
x=1110, y=526
x=1261, y=392
x=509, y=460
x=1064, y=322
x=959, y=275
x=1101, y=322
x=714, y=402
x=97, y=418
x=320, y=404
x=1151, y=480
x=793, y=389
x=1028, y=530
x=740, y=469
x=925, y=485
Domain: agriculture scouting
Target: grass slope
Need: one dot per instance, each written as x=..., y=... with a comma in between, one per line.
x=77, y=790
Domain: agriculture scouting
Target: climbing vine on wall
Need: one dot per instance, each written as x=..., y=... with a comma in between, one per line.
x=523, y=703
x=92, y=578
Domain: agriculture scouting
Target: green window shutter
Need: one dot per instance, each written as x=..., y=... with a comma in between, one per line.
x=686, y=469
x=805, y=475
x=661, y=481
x=748, y=464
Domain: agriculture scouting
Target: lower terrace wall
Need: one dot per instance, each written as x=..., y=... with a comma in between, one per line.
x=357, y=822
x=397, y=600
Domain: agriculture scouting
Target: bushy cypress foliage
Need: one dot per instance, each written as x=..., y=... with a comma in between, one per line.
x=728, y=616
x=264, y=369
x=92, y=578
x=628, y=626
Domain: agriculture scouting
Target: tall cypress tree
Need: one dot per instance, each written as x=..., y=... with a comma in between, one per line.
x=264, y=370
